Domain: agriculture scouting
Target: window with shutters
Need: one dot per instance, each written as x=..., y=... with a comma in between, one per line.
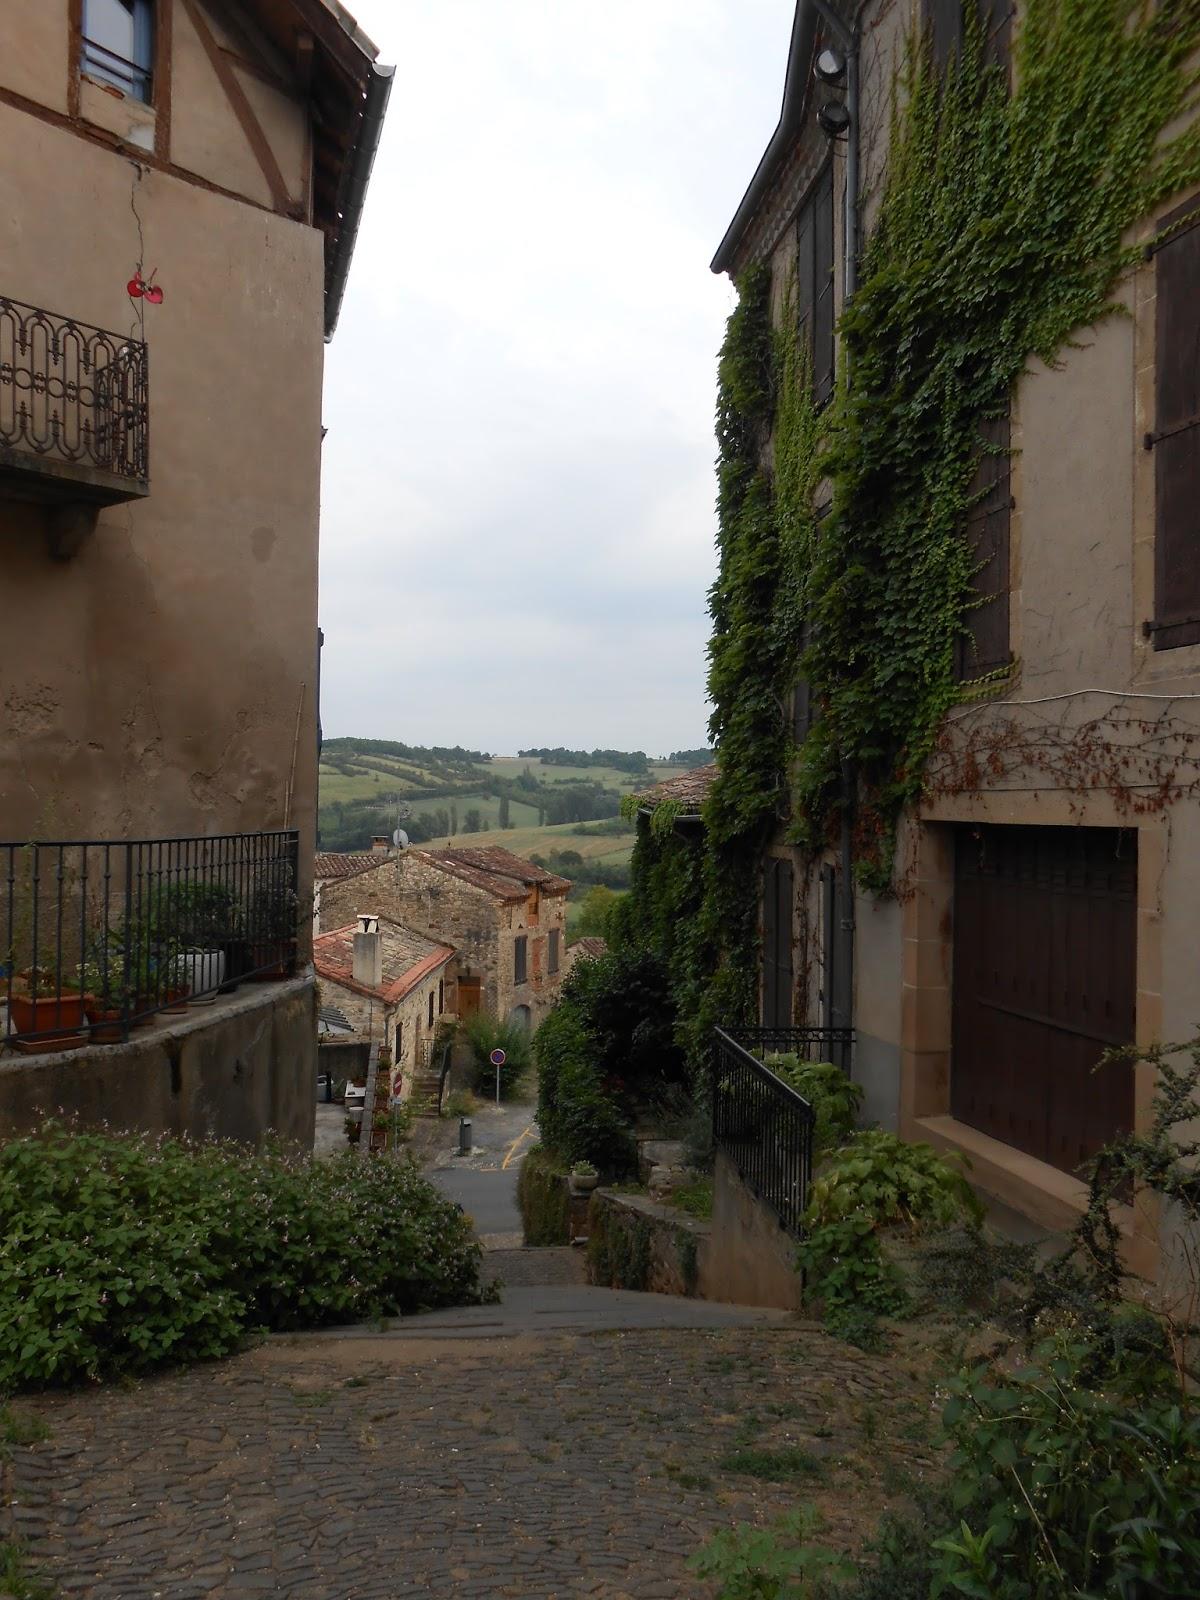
x=552, y=956
x=430, y=1024
x=1176, y=437
x=985, y=645
x=944, y=23
x=814, y=282
x=777, y=943
x=441, y=995
x=520, y=959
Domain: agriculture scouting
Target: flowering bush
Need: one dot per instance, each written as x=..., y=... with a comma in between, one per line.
x=122, y=1252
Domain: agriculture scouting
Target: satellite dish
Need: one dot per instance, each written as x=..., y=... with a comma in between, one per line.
x=400, y=839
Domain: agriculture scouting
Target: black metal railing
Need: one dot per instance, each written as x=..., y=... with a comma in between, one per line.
x=761, y=1123
x=70, y=392
x=97, y=937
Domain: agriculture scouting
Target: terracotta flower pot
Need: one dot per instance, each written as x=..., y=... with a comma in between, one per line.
x=105, y=1020
x=56, y=1021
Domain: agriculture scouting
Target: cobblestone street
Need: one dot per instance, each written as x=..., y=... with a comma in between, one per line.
x=536, y=1466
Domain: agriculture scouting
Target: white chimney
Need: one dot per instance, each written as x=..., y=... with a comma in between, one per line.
x=367, y=966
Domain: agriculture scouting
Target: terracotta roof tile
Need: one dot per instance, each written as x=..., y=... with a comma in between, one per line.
x=496, y=870
x=408, y=958
x=690, y=789
x=590, y=945
x=346, y=863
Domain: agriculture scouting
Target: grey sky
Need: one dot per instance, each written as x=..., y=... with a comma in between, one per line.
x=517, y=523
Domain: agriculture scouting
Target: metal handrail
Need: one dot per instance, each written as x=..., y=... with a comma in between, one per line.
x=764, y=1126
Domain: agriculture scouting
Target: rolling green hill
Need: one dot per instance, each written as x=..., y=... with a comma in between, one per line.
x=371, y=786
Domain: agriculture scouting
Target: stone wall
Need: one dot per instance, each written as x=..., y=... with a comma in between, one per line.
x=242, y=1069
x=482, y=929
x=377, y=1023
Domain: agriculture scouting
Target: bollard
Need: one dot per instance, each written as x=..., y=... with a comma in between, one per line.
x=464, y=1136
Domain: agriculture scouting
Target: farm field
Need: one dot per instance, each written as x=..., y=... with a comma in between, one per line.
x=607, y=850
x=610, y=777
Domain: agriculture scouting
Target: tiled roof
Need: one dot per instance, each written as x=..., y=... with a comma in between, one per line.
x=346, y=863
x=330, y=1019
x=408, y=959
x=590, y=946
x=496, y=870
x=689, y=789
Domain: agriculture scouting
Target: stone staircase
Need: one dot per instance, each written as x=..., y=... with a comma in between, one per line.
x=424, y=1095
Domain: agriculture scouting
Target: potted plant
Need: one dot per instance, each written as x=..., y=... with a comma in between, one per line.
x=584, y=1177
x=45, y=1012
x=105, y=995
x=272, y=930
x=202, y=917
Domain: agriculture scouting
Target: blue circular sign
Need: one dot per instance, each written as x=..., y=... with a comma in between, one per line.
x=497, y=1058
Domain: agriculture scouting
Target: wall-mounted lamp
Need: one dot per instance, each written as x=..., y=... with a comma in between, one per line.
x=830, y=65
x=834, y=119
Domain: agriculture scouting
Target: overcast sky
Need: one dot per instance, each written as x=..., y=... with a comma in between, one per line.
x=517, y=522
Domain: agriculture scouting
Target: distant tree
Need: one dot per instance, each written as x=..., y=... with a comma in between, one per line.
x=592, y=922
x=473, y=821
x=701, y=757
x=453, y=820
x=505, y=821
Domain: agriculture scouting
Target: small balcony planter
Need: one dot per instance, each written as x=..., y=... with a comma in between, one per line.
x=584, y=1178
x=48, y=1022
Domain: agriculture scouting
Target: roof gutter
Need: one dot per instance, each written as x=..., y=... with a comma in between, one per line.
x=379, y=88
x=795, y=88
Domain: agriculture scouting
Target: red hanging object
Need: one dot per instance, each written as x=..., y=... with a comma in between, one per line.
x=137, y=287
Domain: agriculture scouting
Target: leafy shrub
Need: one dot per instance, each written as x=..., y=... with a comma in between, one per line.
x=579, y=1116
x=750, y=1563
x=873, y=1182
x=892, y=1182
x=695, y=1198
x=834, y=1099
x=1062, y=1490
x=485, y=1034
x=122, y=1253
x=963, y=1269
x=544, y=1199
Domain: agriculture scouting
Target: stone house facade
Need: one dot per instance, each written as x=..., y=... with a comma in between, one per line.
x=505, y=917
x=393, y=985
x=1045, y=915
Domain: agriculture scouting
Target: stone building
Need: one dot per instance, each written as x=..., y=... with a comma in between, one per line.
x=505, y=917
x=181, y=183
x=1050, y=870
x=392, y=985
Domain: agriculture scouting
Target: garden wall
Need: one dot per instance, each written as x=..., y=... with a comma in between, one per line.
x=242, y=1068
x=752, y=1259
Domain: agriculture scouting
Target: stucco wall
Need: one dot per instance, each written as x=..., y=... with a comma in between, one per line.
x=241, y=1070
x=163, y=680
x=751, y=1260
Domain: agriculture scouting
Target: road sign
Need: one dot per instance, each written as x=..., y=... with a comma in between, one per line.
x=498, y=1058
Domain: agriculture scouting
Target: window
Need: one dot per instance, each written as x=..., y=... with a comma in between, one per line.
x=814, y=282
x=552, y=958
x=520, y=958
x=944, y=22
x=777, y=943
x=441, y=995
x=985, y=646
x=118, y=44
x=1176, y=439
x=399, y=1041
x=431, y=1008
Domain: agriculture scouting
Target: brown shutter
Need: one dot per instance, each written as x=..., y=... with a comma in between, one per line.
x=777, y=943
x=1176, y=439
x=986, y=645
x=997, y=18
x=944, y=24
x=823, y=348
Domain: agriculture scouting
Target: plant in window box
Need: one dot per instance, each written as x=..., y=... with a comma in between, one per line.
x=45, y=1008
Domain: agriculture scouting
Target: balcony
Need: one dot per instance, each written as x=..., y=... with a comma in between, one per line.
x=100, y=937
x=74, y=416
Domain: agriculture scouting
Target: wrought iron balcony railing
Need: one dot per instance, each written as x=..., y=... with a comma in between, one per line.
x=761, y=1123
x=99, y=936
x=74, y=407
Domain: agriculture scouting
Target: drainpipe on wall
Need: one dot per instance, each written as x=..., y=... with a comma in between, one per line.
x=847, y=36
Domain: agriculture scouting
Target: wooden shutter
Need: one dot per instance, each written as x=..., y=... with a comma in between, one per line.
x=997, y=19
x=986, y=645
x=944, y=24
x=1176, y=439
x=777, y=943
x=814, y=282
x=519, y=959
x=823, y=346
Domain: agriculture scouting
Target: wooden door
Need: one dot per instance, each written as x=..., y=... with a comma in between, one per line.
x=469, y=997
x=1045, y=933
